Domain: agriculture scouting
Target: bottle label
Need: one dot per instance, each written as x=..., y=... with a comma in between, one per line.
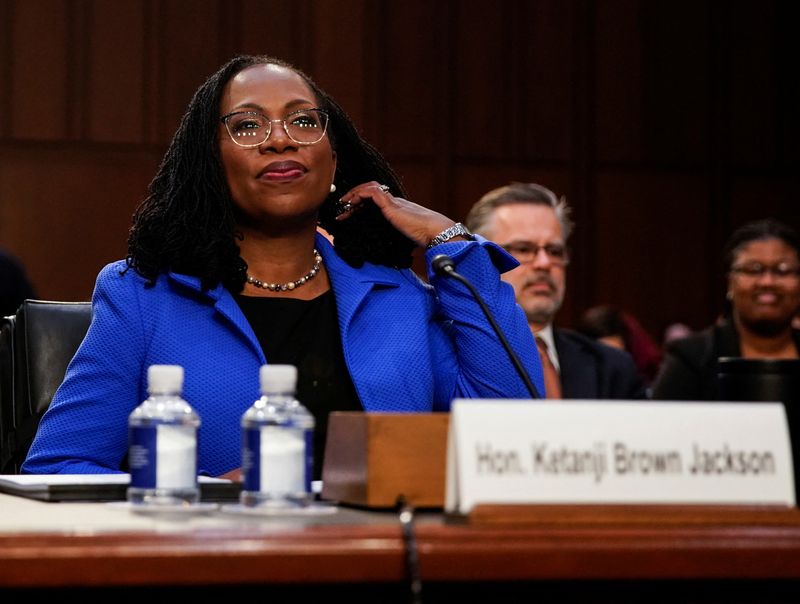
x=309, y=477
x=274, y=461
x=163, y=456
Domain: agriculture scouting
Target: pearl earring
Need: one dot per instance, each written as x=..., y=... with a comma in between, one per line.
x=333, y=188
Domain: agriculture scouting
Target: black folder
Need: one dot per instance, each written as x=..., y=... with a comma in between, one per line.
x=100, y=487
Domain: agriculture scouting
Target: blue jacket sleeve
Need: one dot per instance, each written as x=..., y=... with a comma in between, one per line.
x=484, y=368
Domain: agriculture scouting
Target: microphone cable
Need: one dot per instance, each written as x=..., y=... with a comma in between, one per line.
x=444, y=265
x=406, y=517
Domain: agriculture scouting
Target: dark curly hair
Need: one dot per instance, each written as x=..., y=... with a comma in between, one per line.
x=766, y=228
x=186, y=223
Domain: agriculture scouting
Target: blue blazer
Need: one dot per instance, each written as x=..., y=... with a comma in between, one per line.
x=410, y=346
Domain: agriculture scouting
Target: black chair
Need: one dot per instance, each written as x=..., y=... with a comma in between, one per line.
x=776, y=380
x=36, y=345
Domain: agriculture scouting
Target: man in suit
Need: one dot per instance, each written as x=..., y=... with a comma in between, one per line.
x=533, y=225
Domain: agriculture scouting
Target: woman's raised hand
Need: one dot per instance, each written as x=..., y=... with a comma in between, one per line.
x=416, y=222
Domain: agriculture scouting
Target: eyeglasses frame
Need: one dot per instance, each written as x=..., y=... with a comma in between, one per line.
x=554, y=260
x=224, y=119
x=782, y=270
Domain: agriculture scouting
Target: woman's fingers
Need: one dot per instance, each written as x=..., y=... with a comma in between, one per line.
x=416, y=222
x=355, y=197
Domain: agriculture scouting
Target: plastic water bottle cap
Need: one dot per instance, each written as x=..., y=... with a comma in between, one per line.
x=278, y=378
x=164, y=379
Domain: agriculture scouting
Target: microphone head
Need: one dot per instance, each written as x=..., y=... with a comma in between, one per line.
x=442, y=264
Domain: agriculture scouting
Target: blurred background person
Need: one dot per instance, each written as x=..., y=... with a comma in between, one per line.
x=534, y=226
x=615, y=327
x=14, y=284
x=762, y=260
x=676, y=331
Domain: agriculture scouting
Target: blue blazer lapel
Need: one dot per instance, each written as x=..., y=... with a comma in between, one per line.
x=373, y=329
x=351, y=285
x=225, y=304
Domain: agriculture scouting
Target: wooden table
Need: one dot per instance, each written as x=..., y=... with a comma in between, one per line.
x=619, y=554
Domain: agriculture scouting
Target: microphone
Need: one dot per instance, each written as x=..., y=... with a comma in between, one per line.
x=443, y=265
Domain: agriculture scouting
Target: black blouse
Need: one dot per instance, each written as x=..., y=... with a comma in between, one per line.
x=305, y=333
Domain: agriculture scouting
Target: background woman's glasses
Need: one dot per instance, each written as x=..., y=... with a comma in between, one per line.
x=784, y=270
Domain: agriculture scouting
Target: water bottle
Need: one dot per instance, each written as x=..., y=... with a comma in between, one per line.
x=277, y=443
x=162, y=437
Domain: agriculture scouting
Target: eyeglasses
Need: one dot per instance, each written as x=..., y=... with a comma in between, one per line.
x=784, y=270
x=526, y=251
x=251, y=128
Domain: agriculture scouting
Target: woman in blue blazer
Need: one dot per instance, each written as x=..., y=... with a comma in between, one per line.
x=230, y=266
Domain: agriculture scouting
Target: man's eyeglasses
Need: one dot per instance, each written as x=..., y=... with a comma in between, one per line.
x=251, y=128
x=526, y=251
x=784, y=270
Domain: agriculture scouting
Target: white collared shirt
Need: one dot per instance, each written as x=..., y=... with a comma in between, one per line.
x=546, y=333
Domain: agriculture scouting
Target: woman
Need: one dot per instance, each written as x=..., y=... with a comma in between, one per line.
x=762, y=259
x=227, y=270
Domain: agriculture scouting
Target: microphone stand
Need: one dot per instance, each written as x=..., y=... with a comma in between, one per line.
x=444, y=265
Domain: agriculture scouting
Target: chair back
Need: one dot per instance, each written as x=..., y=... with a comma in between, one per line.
x=7, y=324
x=743, y=379
x=776, y=380
x=36, y=346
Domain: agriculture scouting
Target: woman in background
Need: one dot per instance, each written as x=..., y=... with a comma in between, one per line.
x=762, y=260
x=617, y=328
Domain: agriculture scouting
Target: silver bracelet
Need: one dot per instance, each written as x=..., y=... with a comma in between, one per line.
x=456, y=230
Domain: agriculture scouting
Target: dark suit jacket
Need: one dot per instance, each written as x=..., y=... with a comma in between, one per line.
x=689, y=371
x=592, y=370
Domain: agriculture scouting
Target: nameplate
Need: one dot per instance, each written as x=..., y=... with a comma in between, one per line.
x=522, y=451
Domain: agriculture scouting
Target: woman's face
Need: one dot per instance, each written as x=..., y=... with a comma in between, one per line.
x=764, y=284
x=278, y=179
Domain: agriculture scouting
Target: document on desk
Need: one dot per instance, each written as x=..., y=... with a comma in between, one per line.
x=620, y=452
x=99, y=487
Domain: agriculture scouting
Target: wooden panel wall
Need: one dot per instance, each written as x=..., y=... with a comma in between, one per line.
x=666, y=124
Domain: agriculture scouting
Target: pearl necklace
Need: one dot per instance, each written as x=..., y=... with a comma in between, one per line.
x=286, y=287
